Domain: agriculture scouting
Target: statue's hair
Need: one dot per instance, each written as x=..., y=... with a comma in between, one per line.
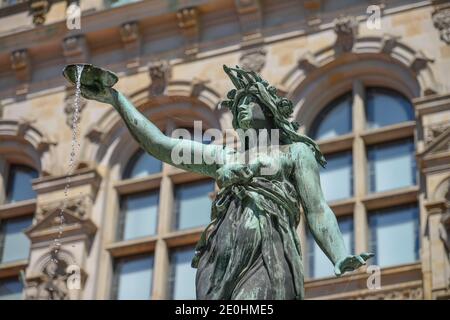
x=279, y=108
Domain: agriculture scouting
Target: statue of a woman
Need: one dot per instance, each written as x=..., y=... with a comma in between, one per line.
x=250, y=250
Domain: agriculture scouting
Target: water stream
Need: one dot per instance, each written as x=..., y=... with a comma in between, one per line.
x=73, y=152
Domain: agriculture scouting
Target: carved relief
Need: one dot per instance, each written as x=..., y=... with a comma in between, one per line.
x=307, y=62
x=388, y=43
x=38, y=9
x=77, y=206
x=130, y=35
x=441, y=21
x=406, y=294
x=129, y=31
x=51, y=284
x=432, y=132
x=346, y=29
x=188, y=22
x=159, y=74
x=20, y=63
x=253, y=60
x=75, y=49
x=250, y=20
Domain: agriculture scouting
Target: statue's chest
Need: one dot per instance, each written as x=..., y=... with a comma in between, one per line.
x=241, y=168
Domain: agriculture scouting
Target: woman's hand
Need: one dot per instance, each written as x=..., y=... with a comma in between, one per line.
x=351, y=263
x=98, y=93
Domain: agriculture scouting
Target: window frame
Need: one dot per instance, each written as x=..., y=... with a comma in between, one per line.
x=358, y=142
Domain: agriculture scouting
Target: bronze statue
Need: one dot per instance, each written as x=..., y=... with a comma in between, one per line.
x=250, y=250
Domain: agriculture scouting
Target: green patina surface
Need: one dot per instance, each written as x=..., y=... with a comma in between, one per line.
x=250, y=250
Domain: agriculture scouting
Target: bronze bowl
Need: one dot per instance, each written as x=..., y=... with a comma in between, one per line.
x=90, y=76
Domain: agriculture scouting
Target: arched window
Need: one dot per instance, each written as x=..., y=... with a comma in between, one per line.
x=386, y=107
x=142, y=164
x=376, y=162
x=335, y=120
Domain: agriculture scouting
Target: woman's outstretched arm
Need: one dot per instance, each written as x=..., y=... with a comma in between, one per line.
x=202, y=158
x=320, y=218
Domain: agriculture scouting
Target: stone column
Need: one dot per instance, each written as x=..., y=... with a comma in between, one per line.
x=359, y=169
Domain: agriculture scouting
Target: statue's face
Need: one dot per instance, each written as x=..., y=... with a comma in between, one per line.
x=250, y=114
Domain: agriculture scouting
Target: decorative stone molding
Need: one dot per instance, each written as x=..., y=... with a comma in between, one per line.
x=75, y=49
x=307, y=62
x=436, y=155
x=388, y=43
x=420, y=62
x=160, y=72
x=20, y=63
x=313, y=7
x=441, y=21
x=38, y=9
x=79, y=206
x=131, y=39
x=82, y=177
x=198, y=85
x=433, y=131
x=27, y=142
x=188, y=22
x=52, y=282
x=69, y=105
x=250, y=19
x=129, y=32
x=50, y=276
x=253, y=60
x=386, y=50
x=405, y=294
x=72, y=226
x=346, y=29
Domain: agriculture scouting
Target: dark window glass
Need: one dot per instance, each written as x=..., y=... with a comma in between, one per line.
x=386, y=107
x=10, y=289
x=337, y=178
x=392, y=165
x=133, y=277
x=142, y=164
x=182, y=278
x=334, y=120
x=139, y=215
x=19, y=183
x=394, y=235
x=193, y=204
x=14, y=244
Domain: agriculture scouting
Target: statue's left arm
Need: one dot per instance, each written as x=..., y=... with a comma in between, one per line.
x=320, y=218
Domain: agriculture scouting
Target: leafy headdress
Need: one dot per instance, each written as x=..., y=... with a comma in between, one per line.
x=279, y=108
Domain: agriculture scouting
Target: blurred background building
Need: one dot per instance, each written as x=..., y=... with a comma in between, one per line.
x=374, y=94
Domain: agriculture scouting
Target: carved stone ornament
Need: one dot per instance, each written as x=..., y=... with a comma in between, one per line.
x=432, y=132
x=188, y=22
x=346, y=29
x=441, y=21
x=406, y=294
x=52, y=282
x=159, y=73
x=129, y=31
x=20, y=63
x=38, y=9
x=78, y=206
x=253, y=60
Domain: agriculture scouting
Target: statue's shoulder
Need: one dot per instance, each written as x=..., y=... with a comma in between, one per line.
x=302, y=153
